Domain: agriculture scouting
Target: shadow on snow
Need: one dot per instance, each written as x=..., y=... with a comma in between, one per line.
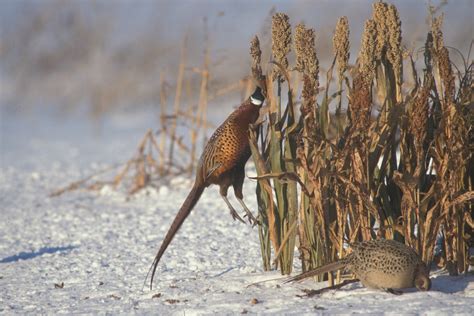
x=451, y=284
x=33, y=254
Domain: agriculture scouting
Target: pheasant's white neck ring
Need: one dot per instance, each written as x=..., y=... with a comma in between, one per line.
x=256, y=101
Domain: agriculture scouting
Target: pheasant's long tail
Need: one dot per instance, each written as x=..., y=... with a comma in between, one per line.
x=183, y=212
x=333, y=266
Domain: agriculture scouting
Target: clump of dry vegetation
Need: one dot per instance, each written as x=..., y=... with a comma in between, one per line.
x=398, y=164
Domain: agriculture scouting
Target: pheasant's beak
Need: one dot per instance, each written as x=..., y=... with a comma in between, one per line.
x=423, y=283
x=262, y=83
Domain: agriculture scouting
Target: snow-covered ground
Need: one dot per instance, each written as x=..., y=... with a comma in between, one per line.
x=99, y=246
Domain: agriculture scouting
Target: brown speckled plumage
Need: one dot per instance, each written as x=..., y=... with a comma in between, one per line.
x=223, y=163
x=381, y=264
x=228, y=149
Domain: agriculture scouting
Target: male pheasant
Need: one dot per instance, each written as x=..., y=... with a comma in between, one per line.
x=222, y=163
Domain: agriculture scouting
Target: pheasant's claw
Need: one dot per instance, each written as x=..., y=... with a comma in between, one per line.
x=248, y=213
x=236, y=216
x=251, y=218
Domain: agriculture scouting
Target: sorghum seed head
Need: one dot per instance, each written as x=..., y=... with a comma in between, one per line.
x=341, y=45
x=281, y=40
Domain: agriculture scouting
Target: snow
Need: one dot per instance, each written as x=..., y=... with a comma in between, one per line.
x=89, y=252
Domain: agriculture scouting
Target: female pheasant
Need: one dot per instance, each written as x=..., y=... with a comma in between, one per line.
x=380, y=264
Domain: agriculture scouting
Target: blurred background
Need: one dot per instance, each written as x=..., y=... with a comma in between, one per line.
x=98, y=56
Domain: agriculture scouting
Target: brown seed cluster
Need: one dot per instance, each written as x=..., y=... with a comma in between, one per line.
x=394, y=49
x=307, y=63
x=441, y=55
x=368, y=51
x=299, y=42
x=360, y=104
x=436, y=26
x=256, y=54
x=340, y=44
x=306, y=58
x=446, y=73
x=418, y=115
x=379, y=16
x=281, y=41
x=388, y=36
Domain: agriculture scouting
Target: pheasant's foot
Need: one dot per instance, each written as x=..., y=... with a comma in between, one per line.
x=248, y=213
x=233, y=212
x=236, y=215
x=251, y=218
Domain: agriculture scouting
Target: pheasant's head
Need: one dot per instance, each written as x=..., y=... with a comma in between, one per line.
x=257, y=97
x=422, y=277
